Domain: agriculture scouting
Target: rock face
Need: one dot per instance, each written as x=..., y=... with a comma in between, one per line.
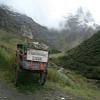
x=21, y=24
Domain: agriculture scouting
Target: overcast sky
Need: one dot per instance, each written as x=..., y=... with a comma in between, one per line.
x=51, y=12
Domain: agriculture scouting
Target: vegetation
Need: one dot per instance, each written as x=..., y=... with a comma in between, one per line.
x=54, y=51
x=85, y=58
x=8, y=43
x=68, y=81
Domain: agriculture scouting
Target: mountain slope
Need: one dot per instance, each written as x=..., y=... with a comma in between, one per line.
x=77, y=28
x=21, y=24
x=84, y=58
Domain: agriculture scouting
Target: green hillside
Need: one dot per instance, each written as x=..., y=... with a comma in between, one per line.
x=84, y=58
x=66, y=81
x=8, y=43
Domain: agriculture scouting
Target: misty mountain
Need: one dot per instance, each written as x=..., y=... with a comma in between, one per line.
x=22, y=25
x=77, y=28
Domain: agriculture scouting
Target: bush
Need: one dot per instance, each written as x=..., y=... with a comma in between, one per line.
x=54, y=51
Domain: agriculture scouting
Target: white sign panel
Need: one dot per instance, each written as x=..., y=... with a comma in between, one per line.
x=37, y=55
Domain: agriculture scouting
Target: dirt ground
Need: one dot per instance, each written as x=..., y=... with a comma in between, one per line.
x=7, y=93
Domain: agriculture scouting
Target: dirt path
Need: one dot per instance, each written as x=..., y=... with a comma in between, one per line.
x=7, y=93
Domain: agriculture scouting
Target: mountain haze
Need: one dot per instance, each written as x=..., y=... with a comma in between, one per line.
x=77, y=27
x=74, y=32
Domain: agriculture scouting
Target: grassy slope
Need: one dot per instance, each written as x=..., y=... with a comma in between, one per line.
x=8, y=43
x=85, y=58
x=69, y=81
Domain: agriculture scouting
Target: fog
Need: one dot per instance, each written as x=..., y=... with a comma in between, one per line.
x=51, y=13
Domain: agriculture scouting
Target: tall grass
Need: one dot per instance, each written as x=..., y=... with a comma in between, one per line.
x=57, y=77
x=8, y=42
x=74, y=83
x=68, y=81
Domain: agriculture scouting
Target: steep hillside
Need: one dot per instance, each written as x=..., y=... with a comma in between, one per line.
x=84, y=58
x=8, y=42
x=23, y=25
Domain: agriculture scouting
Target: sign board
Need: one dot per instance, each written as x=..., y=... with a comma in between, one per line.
x=37, y=55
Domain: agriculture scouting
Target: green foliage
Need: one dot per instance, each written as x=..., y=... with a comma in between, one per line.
x=57, y=77
x=73, y=82
x=85, y=58
x=8, y=43
x=54, y=51
x=67, y=81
